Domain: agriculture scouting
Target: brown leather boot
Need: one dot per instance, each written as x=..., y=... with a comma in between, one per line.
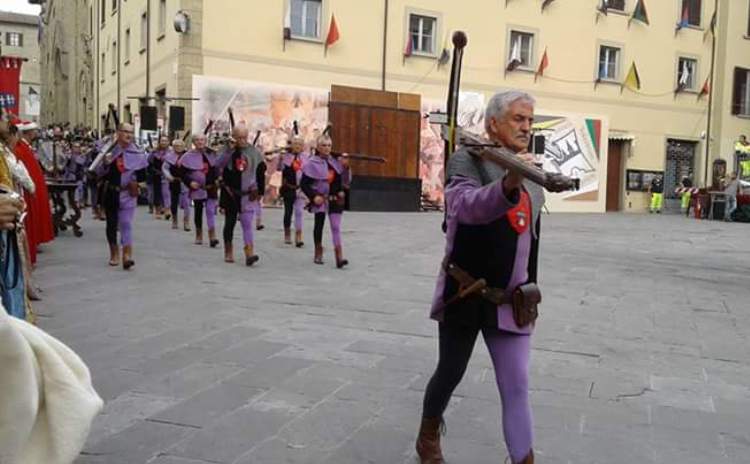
x=298, y=239
x=198, y=236
x=529, y=459
x=340, y=261
x=428, y=441
x=250, y=257
x=114, y=255
x=228, y=252
x=213, y=243
x=318, y=259
x=175, y=226
x=127, y=257
x=288, y=236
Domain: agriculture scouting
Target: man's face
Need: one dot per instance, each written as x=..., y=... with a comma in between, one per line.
x=125, y=135
x=76, y=148
x=513, y=129
x=178, y=147
x=199, y=142
x=297, y=146
x=31, y=135
x=240, y=137
x=325, y=147
x=163, y=143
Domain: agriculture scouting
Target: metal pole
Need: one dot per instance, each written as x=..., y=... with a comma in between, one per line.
x=119, y=55
x=148, y=49
x=710, y=96
x=385, y=43
x=97, y=69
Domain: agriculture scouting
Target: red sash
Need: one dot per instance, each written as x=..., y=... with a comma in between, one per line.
x=520, y=216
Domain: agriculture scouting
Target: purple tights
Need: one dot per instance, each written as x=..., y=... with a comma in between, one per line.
x=510, y=358
x=335, y=228
x=125, y=222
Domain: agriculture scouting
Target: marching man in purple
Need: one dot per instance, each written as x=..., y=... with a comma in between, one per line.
x=178, y=192
x=122, y=170
x=238, y=166
x=487, y=280
x=294, y=199
x=323, y=181
x=160, y=186
x=199, y=175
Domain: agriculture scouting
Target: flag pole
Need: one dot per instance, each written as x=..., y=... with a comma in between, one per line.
x=710, y=98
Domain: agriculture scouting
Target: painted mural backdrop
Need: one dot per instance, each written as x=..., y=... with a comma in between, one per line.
x=574, y=143
x=573, y=147
x=268, y=108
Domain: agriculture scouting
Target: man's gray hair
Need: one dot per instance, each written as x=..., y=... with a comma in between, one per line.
x=500, y=102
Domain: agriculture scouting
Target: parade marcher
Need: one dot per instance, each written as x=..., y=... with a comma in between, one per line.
x=75, y=170
x=731, y=191
x=238, y=166
x=492, y=237
x=294, y=199
x=656, y=189
x=38, y=224
x=687, y=184
x=260, y=174
x=323, y=180
x=159, y=185
x=122, y=170
x=199, y=174
x=178, y=192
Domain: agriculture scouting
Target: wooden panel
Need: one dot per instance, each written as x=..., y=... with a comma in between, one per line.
x=365, y=97
x=410, y=102
x=368, y=129
x=614, y=176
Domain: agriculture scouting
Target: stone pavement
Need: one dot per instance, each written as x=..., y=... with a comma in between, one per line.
x=642, y=354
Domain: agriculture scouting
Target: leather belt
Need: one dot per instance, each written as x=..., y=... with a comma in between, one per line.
x=468, y=286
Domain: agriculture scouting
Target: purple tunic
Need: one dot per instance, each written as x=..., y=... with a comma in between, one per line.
x=250, y=159
x=286, y=162
x=129, y=160
x=471, y=203
x=198, y=170
x=317, y=168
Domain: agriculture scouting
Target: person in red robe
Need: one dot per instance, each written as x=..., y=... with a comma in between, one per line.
x=38, y=222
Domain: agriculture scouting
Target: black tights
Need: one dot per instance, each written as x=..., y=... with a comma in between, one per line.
x=112, y=223
x=199, y=204
x=288, y=210
x=174, y=192
x=231, y=212
x=456, y=344
x=320, y=221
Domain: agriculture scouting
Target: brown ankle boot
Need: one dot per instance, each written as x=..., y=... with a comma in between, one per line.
x=228, y=253
x=127, y=257
x=340, y=261
x=529, y=459
x=428, y=441
x=318, y=259
x=298, y=239
x=114, y=255
x=213, y=243
x=175, y=226
x=250, y=257
x=288, y=236
x=198, y=236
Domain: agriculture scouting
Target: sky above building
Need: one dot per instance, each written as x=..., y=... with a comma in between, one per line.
x=19, y=6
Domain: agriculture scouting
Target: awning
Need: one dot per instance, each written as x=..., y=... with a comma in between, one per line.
x=621, y=136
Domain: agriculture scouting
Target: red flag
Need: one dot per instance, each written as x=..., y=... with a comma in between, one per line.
x=706, y=88
x=409, y=48
x=544, y=64
x=10, y=83
x=333, y=32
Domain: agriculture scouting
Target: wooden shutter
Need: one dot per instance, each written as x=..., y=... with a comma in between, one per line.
x=740, y=80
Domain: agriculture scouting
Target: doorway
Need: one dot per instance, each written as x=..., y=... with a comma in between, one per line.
x=680, y=163
x=615, y=175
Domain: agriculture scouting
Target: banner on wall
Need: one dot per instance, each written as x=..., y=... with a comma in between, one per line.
x=10, y=79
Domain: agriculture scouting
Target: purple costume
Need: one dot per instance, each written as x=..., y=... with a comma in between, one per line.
x=159, y=181
x=125, y=167
x=200, y=167
x=169, y=170
x=326, y=177
x=494, y=237
x=294, y=199
x=239, y=172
